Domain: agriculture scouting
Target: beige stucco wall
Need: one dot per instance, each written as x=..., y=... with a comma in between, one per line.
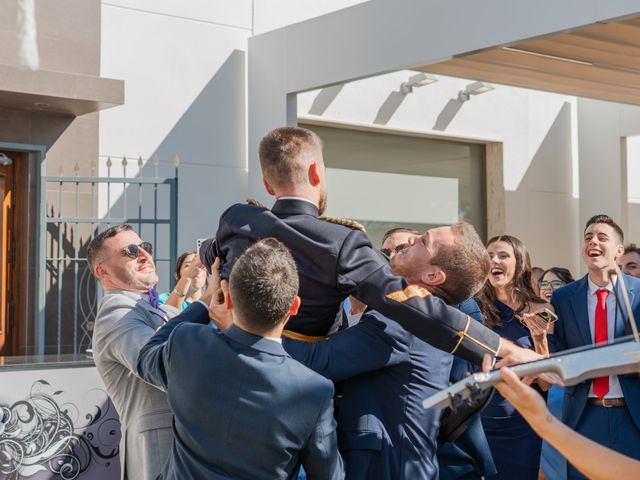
x=68, y=35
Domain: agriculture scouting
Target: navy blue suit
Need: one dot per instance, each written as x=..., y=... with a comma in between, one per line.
x=383, y=431
x=243, y=408
x=572, y=331
x=469, y=457
x=333, y=262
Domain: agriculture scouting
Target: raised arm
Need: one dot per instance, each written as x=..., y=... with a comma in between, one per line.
x=372, y=344
x=151, y=361
x=366, y=274
x=123, y=331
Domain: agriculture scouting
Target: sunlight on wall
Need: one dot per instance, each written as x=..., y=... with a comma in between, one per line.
x=633, y=168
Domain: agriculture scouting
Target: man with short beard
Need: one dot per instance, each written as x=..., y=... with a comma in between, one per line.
x=128, y=316
x=383, y=431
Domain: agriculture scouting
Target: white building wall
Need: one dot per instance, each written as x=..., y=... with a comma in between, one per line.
x=184, y=68
x=534, y=128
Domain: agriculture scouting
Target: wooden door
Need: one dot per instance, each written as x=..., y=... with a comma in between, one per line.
x=7, y=251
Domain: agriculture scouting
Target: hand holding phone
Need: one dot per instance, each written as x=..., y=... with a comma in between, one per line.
x=547, y=315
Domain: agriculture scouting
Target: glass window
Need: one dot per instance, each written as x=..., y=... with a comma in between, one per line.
x=388, y=180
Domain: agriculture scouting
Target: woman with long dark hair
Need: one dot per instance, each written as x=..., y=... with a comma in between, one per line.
x=509, y=305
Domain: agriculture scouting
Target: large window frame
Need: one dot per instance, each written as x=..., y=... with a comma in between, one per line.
x=494, y=208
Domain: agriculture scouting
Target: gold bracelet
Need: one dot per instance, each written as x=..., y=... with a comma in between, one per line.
x=180, y=294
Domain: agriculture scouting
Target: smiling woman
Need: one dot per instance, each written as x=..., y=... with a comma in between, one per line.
x=552, y=279
x=508, y=304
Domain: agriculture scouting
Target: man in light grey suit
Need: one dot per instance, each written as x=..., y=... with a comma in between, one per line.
x=126, y=319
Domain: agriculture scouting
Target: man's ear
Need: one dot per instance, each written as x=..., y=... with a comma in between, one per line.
x=224, y=286
x=268, y=187
x=619, y=251
x=295, y=305
x=101, y=272
x=314, y=173
x=433, y=275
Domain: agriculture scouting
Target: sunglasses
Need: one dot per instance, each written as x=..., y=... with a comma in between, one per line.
x=389, y=251
x=133, y=250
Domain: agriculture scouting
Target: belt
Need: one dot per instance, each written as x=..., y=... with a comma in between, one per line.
x=608, y=402
x=303, y=338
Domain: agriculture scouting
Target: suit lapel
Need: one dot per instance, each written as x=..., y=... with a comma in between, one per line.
x=141, y=303
x=579, y=306
x=155, y=311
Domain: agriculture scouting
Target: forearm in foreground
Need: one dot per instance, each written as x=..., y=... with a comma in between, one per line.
x=593, y=460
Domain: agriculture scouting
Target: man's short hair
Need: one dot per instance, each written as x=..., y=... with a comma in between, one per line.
x=97, y=244
x=398, y=230
x=285, y=155
x=466, y=264
x=263, y=284
x=631, y=248
x=607, y=220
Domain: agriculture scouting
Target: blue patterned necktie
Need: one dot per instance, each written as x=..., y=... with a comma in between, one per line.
x=153, y=298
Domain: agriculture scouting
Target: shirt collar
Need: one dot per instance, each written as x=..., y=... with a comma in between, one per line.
x=298, y=198
x=131, y=294
x=593, y=288
x=273, y=339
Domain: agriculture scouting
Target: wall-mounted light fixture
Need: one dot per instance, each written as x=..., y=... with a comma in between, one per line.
x=419, y=80
x=475, y=88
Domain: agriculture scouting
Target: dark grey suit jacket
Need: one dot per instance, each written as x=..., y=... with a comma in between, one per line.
x=243, y=408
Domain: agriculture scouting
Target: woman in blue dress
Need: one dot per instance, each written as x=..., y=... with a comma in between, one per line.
x=509, y=304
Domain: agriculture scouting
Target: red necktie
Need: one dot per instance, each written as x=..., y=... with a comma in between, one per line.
x=601, y=384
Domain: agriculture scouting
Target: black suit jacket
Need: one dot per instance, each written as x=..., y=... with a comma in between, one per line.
x=334, y=261
x=243, y=408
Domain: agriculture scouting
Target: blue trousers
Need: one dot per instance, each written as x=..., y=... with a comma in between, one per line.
x=551, y=461
x=612, y=427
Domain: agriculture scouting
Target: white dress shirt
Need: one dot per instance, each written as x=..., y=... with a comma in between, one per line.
x=592, y=300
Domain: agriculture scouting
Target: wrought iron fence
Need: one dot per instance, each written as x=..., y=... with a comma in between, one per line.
x=73, y=210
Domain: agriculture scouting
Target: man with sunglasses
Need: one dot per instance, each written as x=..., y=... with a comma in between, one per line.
x=128, y=316
x=396, y=239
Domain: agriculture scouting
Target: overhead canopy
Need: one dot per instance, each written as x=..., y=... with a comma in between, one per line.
x=57, y=92
x=599, y=61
